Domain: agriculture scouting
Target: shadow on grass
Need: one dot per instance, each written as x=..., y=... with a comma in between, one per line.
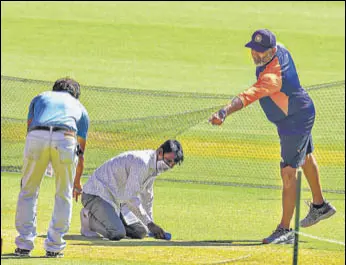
x=153, y=242
x=148, y=241
x=12, y=256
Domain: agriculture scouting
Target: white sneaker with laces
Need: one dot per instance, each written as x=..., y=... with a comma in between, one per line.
x=280, y=236
x=85, y=227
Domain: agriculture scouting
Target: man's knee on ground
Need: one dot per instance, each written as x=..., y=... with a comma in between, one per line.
x=288, y=175
x=116, y=234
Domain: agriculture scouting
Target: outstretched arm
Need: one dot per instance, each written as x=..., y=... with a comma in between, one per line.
x=235, y=105
x=219, y=117
x=269, y=82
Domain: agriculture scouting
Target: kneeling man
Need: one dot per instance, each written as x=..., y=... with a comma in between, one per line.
x=118, y=197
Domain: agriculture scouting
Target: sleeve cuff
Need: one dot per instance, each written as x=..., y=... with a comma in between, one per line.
x=242, y=100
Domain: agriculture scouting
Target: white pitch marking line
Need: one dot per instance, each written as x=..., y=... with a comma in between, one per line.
x=321, y=239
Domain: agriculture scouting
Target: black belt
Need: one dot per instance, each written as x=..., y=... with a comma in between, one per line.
x=47, y=128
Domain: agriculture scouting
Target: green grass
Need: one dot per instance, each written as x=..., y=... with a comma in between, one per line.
x=191, y=48
x=209, y=224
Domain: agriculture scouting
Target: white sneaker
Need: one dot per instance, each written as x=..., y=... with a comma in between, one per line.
x=280, y=236
x=85, y=227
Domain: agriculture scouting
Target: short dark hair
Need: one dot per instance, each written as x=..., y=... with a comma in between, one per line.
x=69, y=85
x=175, y=147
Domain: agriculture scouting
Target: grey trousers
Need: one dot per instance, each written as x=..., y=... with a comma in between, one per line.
x=105, y=221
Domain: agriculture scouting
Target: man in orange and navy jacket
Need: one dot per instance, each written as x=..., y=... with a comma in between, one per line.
x=289, y=107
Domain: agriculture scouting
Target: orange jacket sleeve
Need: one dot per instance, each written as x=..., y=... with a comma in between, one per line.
x=268, y=83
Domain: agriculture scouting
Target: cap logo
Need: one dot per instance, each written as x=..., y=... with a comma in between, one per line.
x=258, y=38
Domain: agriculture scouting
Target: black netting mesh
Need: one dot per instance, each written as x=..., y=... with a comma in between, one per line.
x=243, y=151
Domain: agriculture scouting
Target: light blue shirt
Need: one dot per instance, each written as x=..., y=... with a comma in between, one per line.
x=59, y=109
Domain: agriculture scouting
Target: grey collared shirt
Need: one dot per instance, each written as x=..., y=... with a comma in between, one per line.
x=127, y=178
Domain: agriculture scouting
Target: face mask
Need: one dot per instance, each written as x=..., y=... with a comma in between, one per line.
x=161, y=166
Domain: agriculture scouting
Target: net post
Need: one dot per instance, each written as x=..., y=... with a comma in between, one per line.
x=296, y=228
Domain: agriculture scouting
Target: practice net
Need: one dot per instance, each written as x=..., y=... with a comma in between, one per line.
x=244, y=151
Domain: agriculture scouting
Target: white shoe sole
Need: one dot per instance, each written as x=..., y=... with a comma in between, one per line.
x=22, y=255
x=283, y=240
x=55, y=257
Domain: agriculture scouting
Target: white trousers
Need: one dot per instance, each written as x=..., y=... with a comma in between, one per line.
x=42, y=147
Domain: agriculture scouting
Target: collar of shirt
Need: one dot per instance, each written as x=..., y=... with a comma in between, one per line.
x=152, y=163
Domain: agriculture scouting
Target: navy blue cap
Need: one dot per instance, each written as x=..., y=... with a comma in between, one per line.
x=262, y=40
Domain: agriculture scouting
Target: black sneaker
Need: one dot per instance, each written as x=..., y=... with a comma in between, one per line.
x=51, y=254
x=20, y=252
